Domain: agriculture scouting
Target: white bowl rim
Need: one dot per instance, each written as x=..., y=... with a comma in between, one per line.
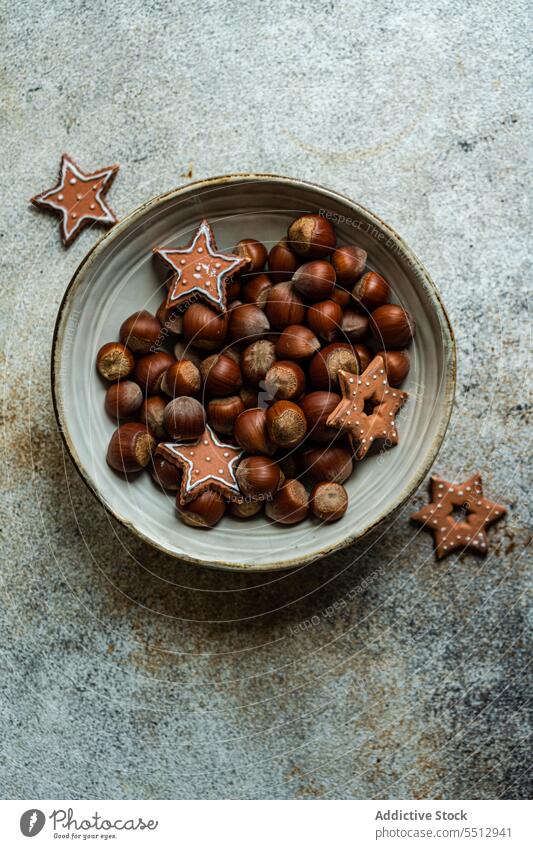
x=430, y=288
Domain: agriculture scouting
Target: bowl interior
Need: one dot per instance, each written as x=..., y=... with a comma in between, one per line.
x=119, y=276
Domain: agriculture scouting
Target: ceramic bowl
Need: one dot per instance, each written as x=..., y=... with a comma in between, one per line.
x=119, y=276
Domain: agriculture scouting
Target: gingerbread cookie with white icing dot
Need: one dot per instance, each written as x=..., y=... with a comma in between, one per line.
x=79, y=198
x=207, y=463
x=371, y=390
x=200, y=270
x=467, y=532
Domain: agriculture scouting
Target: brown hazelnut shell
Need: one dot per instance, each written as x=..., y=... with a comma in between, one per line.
x=317, y=407
x=312, y=236
x=286, y=424
x=204, y=328
x=258, y=476
x=325, y=318
x=141, y=332
x=371, y=291
x=297, y=342
x=123, y=399
x=151, y=414
x=221, y=375
x=329, y=501
x=355, y=325
x=184, y=418
x=284, y=306
x=282, y=262
x=327, y=463
x=290, y=504
x=349, y=263
x=204, y=511
x=115, y=361
x=170, y=319
x=285, y=380
x=255, y=289
x=166, y=474
x=150, y=369
x=325, y=365
x=247, y=323
x=392, y=326
x=181, y=378
x=251, y=432
x=256, y=253
x=256, y=360
x=130, y=448
x=397, y=365
x=315, y=280
x=222, y=413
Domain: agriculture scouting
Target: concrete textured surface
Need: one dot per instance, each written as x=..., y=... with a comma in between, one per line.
x=376, y=673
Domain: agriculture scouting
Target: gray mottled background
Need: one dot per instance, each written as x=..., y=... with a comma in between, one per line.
x=376, y=673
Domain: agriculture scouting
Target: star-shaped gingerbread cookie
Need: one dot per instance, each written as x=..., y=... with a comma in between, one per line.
x=464, y=532
x=207, y=463
x=200, y=270
x=78, y=198
x=368, y=408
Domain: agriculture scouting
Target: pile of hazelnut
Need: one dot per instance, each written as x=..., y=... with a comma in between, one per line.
x=263, y=375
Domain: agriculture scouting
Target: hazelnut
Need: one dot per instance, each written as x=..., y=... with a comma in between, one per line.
x=251, y=433
x=258, y=476
x=355, y=325
x=349, y=263
x=289, y=505
x=297, y=342
x=397, y=364
x=151, y=414
x=150, y=369
x=233, y=352
x=331, y=463
x=245, y=509
x=282, y=262
x=114, y=361
x=170, y=319
x=204, y=512
x=315, y=280
x=312, y=236
x=286, y=424
x=221, y=375
x=329, y=501
x=184, y=351
x=233, y=289
x=249, y=397
x=288, y=464
x=254, y=251
x=256, y=360
x=341, y=297
x=182, y=378
x=166, y=474
x=364, y=356
x=246, y=323
x=317, y=407
x=222, y=412
x=325, y=365
x=371, y=291
x=203, y=327
x=255, y=290
x=141, y=332
x=392, y=326
x=325, y=319
x=130, y=448
x=284, y=306
x=184, y=418
x=123, y=399
x=285, y=380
